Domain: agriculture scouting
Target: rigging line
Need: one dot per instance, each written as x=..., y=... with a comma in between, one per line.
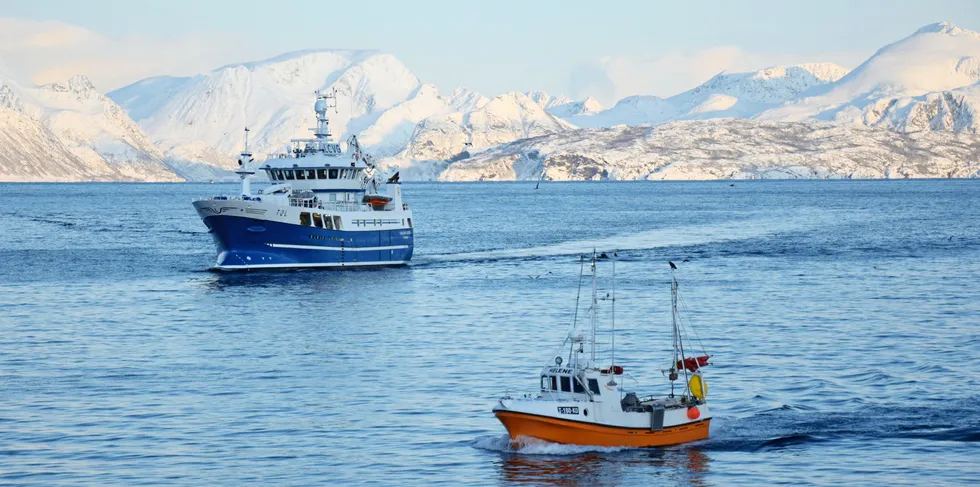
x=581, y=273
x=687, y=380
x=613, y=334
x=694, y=328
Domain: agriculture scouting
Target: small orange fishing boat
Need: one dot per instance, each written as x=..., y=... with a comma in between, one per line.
x=582, y=399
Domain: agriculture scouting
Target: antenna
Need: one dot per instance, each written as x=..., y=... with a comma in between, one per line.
x=243, y=172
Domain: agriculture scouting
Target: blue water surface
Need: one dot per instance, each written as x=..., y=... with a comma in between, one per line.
x=843, y=319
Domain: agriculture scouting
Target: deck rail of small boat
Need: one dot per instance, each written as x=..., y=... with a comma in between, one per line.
x=658, y=399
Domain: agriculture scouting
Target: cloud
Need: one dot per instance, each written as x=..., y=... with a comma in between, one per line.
x=46, y=52
x=611, y=78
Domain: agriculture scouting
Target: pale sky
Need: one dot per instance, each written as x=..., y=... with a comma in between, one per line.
x=608, y=49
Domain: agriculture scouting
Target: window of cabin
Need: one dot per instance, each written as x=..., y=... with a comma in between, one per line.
x=594, y=386
x=577, y=386
x=310, y=174
x=304, y=219
x=566, y=383
x=554, y=383
x=333, y=174
x=333, y=196
x=317, y=222
x=327, y=223
x=409, y=223
x=321, y=174
x=300, y=174
x=545, y=382
x=336, y=222
x=289, y=174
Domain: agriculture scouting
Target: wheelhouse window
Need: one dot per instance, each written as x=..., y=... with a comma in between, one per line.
x=289, y=174
x=566, y=383
x=321, y=174
x=310, y=174
x=594, y=386
x=327, y=223
x=300, y=174
x=317, y=222
x=577, y=386
x=333, y=173
x=336, y=223
x=279, y=175
x=304, y=219
x=554, y=383
x=545, y=382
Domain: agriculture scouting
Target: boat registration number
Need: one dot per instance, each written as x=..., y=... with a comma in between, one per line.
x=568, y=410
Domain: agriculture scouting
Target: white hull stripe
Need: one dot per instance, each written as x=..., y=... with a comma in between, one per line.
x=296, y=266
x=345, y=249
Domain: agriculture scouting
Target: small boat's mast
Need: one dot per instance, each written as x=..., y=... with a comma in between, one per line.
x=678, y=340
x=612, y=367
x=595, y=302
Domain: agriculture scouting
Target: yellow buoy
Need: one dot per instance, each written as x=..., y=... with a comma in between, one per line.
x=699, y=388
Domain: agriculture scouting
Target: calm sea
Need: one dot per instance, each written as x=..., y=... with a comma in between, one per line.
x=843, y=319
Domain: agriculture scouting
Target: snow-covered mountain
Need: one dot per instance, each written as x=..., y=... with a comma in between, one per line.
x=504, y=119
x=199, y=120
x=546, y=101
x=725, y=95
x=725, y=149
x=71, y=132
x=927, y=81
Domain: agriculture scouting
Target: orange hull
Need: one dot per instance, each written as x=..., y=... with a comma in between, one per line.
x=577, y=433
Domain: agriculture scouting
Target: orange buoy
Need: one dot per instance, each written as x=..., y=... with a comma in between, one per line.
x=693, y=412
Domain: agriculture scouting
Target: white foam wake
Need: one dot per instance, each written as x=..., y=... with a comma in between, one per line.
x=534, y=446
x=665, y=237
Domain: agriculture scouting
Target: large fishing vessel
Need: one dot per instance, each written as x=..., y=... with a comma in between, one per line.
x=325, y=207
x=583, y=399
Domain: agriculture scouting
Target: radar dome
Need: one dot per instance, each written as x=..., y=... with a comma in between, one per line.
x=321, y=106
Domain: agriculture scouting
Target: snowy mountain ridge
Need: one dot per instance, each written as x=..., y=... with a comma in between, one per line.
x=503, y=119
x=725, y=95
x=198, y=121
x=725, y=149
x=70, y=132
x=193, y=126
x=922, y=82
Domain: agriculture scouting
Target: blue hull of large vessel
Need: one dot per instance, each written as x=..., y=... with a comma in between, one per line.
x=247, y=243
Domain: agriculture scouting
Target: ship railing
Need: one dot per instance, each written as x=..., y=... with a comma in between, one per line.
x=329, y=205
x=344, y=206
x=231, y=198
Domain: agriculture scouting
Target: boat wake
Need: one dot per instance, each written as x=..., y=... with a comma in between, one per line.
x=688, y=235
x=788, y=427
x=534, y=446
x=791, y=428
